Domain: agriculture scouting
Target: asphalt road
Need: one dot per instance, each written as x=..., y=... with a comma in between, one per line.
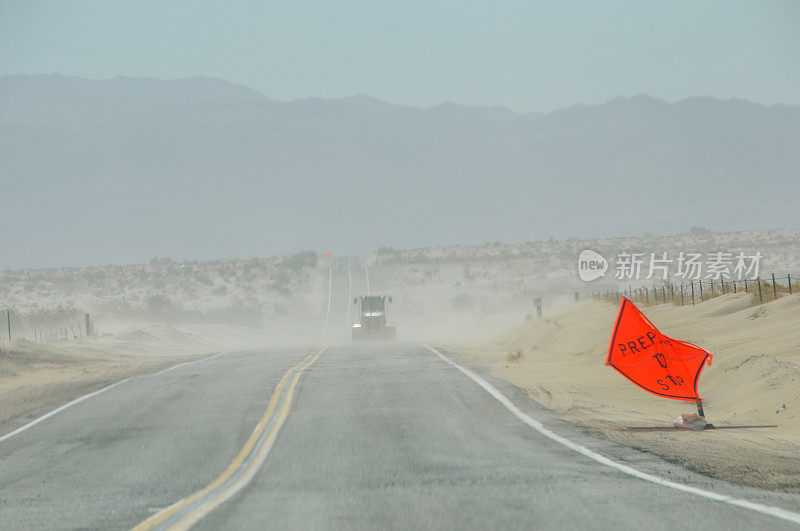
x=348, y=279
x=355, y=436
x=377, y=436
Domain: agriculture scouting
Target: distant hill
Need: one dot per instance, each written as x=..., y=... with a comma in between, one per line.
x=76, y=103
x=120, y=170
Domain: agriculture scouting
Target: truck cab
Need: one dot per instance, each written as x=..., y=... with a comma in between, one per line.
x=373, y=324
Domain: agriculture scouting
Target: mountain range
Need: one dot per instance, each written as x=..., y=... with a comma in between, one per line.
x=121, y=170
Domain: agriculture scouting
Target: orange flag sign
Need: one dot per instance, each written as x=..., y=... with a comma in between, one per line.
x=658, y=364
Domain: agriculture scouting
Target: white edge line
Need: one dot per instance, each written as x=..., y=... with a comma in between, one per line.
x=328, y=312
x=218, y=354
x=80, y=399
x=538, y=426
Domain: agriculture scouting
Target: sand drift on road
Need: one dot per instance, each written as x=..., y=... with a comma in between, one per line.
x=753, y=381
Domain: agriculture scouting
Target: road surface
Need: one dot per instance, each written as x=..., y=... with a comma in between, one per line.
x=352, y=436
x=348, y=279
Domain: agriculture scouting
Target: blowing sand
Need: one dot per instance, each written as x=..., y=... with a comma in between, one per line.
x=754, y=380
x=36, y=378
x=559, y=361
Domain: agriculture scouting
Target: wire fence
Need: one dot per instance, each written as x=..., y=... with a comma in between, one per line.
x=13, y=326
x=762, y=290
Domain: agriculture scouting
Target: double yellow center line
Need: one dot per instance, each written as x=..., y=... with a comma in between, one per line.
x=190, y=510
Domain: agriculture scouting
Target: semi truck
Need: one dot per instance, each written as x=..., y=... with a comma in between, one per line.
x=373, y=323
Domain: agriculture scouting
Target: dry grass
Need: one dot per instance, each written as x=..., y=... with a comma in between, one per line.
x=514, y=357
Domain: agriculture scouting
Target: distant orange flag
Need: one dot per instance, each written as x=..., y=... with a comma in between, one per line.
x=658, y=364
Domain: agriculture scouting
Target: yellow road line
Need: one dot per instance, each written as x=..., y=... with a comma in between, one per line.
x=198, y=513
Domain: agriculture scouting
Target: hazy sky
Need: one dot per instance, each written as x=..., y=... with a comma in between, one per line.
x=526, y=55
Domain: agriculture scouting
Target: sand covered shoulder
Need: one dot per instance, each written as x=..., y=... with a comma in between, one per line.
x=754, y=380
x=38, y=377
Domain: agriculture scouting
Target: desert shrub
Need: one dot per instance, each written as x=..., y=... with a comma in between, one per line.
x=281, y=283
x=514, y=357
x=468, y=275
x=220, y=291
x=299, y=261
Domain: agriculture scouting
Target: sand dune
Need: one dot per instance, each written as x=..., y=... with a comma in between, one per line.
x=754, y=379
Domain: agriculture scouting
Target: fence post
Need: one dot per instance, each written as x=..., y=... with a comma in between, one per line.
x=789, y=278
x=722, y=285
x=681, y=293
x=692, y=286
x=700, y=283
x=734, y=285
x=746, y=289
x=8, y=316
x=760, y=296
x=774, y=290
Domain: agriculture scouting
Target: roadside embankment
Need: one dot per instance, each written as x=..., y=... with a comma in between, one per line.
x=754, y=380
